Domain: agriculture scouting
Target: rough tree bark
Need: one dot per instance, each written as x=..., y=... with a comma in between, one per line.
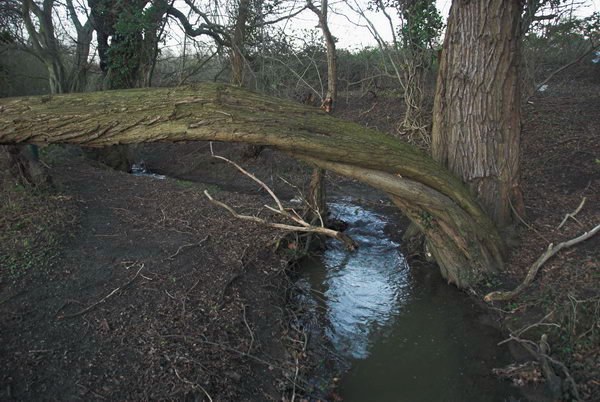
x=419, y=31
x=44, y=42
x=77, y=78
x=463, y=239
x=477, y=117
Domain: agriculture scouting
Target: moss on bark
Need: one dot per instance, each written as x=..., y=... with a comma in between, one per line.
x=461, y=236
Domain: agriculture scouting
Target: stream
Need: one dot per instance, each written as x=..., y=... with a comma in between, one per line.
x=400, y=334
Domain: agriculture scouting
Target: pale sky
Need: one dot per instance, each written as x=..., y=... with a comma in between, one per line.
x=342, y=23
x=351, y=36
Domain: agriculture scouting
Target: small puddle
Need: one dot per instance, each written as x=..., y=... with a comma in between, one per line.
x=401, y=334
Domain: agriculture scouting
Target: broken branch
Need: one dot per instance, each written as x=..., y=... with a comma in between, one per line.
x=87, y=309
x=304, y=226
x=314, y=229
x=572, y=214
x=550, y=252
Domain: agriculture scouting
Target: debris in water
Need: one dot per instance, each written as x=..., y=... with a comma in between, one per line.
x=139, y=169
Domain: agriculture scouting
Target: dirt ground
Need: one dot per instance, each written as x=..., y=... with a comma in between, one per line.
x=561, y=169
x=121, y=287
x=146, y=291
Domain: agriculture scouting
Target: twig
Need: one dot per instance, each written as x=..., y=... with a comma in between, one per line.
x=540, y=353
x=249, y=329
x=572, y=214
x=294, y=382
x=521, y=331
x=87, y=309
x=90, y=390
x=193, y=384
x=361, y=114
x=523, y=220
x=250, y=175
x=187, y=245
x=193, y=287
x=550, y=252
x=230, y=349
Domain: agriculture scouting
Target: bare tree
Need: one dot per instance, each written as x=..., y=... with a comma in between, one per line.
x=332, y=78
x=409, y=54
x=63, y=76
x=38, y=20
x=238, y=42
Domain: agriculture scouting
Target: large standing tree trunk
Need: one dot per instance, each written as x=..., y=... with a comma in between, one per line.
x=462, y=238
x=127, y=34
x=477, y=116
x=78, y=76
x=422, y=24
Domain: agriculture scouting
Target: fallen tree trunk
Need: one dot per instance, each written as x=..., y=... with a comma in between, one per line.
x=460, y=235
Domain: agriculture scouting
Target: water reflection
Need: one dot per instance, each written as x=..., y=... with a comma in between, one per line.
x=404, y=335
x=363, y=288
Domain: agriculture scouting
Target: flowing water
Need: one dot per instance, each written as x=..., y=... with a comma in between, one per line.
x=402, y=334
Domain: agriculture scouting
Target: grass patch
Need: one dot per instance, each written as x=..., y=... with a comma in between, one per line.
x=33, y=226
x=186, y=184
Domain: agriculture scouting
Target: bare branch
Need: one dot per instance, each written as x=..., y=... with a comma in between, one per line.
x=550, y=252
x=561, y=69
x=215, y=31
x=313, y=229
x=304, y=226
x=572, y=214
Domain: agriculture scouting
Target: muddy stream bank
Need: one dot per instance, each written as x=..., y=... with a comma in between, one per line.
x=396, y=332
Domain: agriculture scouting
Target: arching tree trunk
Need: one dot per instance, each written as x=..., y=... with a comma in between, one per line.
x=477, y=116
x=462, y=238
